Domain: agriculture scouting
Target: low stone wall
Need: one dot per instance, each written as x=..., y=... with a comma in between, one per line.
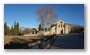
x=47, y=33
x=30, y=35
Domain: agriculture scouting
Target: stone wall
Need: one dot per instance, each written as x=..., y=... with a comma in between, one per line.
x=47, y=33
x=30, y=35
x=53, y=30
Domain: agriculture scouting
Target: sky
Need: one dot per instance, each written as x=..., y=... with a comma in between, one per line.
x=25, y=14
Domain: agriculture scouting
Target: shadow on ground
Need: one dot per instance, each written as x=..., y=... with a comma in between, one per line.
x=17, y=43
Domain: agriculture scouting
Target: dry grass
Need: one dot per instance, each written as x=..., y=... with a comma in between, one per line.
x=20, y=39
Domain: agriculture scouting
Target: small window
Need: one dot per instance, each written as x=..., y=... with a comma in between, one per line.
x=61, y=21
x=61, y=25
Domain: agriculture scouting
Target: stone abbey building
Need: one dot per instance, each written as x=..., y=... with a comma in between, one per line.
x=61, y=27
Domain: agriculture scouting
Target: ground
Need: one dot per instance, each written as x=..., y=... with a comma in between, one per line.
x=62, y=41
x=20, y=39
x=69, y=41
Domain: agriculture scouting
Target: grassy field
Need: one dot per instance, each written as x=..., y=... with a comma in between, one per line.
x=20, y=39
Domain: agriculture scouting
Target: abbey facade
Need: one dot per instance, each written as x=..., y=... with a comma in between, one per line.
x=61, y=27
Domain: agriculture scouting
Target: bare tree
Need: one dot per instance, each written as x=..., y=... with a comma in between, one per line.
x=77, y=28
x=47, y=16
x=26, y=31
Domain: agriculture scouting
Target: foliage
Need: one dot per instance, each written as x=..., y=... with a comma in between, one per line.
x=40, y=28
x=13, y=31
x=16, y=28
x=6, y=29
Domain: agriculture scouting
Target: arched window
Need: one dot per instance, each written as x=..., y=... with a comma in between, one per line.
x=61, y=25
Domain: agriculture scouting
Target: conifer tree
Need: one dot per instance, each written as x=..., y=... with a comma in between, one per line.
x=40, y=28
x=17, y=28
x=5, y=28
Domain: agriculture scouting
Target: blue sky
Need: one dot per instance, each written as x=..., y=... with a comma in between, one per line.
x=25, y=14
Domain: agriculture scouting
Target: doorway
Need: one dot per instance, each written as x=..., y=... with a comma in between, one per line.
x=62, y=31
